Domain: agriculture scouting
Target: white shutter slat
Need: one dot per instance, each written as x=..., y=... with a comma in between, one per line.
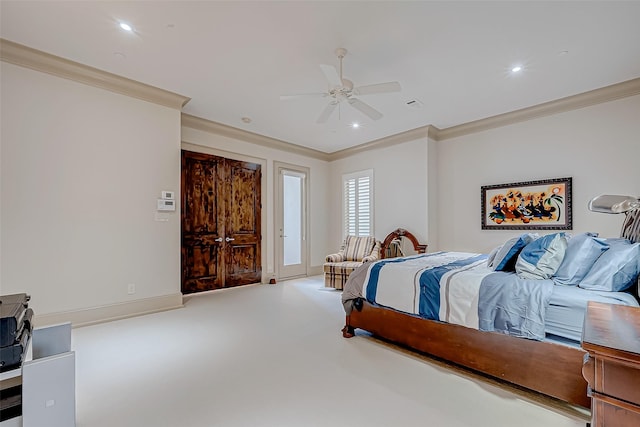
x=358, y=209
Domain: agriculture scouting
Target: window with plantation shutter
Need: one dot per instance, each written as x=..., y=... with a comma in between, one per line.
x=358, y=203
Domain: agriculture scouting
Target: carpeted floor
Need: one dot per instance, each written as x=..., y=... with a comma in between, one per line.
x=273, y=355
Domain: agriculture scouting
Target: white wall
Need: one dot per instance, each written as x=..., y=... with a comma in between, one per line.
x=82, y=168
x=433, y=188
x=598, y=146
x=401, y=179
x=81, y=171
x=318, y=178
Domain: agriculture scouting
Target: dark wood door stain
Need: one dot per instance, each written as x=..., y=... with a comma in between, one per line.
x=221, y=212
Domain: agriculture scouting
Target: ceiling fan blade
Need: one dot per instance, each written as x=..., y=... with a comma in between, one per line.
x=324, y=116
x=331, y=74
x=365, y=108
x=377, y=88
x=303, y=95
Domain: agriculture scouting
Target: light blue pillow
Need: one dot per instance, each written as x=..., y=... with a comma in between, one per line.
x=582, y=252
x=542, y=257
x=506, y=257
x=616, y=270
x=492, y=256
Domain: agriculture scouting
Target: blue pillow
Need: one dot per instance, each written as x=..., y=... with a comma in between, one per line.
x=506, y=257
x=582, y=252
x=616, y=270
x=542, y=257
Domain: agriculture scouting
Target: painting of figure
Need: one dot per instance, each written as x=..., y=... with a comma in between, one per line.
x=542, y=204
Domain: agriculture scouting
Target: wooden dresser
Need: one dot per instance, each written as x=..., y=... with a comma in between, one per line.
x=611, y=336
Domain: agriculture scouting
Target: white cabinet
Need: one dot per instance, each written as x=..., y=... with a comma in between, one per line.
x=48, y=380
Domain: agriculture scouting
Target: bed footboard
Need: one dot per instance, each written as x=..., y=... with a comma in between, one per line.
x=551, y=369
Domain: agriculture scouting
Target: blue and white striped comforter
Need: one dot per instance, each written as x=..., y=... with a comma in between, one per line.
x=458, y=287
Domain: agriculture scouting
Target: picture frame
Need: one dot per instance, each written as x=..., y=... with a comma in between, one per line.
x=529, y=205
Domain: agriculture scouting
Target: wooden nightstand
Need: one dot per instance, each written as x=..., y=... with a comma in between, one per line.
x=611, y=336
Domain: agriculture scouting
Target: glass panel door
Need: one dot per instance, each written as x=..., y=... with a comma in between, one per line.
x=292, y=241
x=292, y=224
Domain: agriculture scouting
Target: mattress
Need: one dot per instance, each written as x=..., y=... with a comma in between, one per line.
x=565, y=313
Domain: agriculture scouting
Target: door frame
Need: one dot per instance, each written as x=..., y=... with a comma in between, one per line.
x=279, y=216
x=263, y=188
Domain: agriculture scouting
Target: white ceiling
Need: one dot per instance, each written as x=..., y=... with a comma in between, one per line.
x=234, y=59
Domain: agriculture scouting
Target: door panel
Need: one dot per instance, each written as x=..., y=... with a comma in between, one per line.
x=201, y=223
x=243, y=252
x=221, y=214
x=291, y=220
x=201, y=268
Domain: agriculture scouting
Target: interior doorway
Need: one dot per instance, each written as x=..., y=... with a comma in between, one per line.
x=221, y=222
x=291, y=220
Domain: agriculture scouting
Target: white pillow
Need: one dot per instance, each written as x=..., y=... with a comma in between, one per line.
x=541, y=258
x=492, y=256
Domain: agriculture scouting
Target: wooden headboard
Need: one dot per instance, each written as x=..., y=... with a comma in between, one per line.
x=631, y=226
x=396, y=234
x=631, y=230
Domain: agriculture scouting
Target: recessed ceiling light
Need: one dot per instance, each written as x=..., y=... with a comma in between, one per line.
x=516, y=69
x=246, y=120
x=355, y=125
x=126, y=26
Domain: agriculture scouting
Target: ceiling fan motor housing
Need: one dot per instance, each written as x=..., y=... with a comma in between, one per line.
x=342, y=92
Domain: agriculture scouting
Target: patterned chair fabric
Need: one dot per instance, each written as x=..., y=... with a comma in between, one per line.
x=354, y=252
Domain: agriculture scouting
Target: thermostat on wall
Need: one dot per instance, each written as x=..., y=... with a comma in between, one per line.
x=167, y=195
x=166, y=205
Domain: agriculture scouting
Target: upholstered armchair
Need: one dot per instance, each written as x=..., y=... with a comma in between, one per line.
x=354, y=252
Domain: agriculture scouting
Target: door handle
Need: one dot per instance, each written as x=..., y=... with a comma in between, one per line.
x=219, y=239
x=229, y=239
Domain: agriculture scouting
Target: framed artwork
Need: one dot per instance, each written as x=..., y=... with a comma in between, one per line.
x=530, y=205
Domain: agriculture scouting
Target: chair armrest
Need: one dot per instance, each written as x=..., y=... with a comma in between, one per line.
x=339, y=257
x=375, y=253
x=370, y=258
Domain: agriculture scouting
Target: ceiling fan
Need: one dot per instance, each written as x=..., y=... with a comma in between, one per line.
x=341, y=89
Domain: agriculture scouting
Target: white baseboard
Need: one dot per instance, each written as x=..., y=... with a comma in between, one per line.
x=314, y=270
x=107, y=313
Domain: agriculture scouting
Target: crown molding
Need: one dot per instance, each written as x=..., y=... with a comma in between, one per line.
x=428, y=131
x=24, y=56
x=574, y=102
x=205, y=125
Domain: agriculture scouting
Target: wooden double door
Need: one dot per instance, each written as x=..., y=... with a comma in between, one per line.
x=221, y=212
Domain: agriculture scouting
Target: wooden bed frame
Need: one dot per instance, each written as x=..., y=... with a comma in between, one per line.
x=549, y=368
x=397, y=234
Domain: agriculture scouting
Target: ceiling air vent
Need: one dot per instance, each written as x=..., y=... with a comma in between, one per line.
x=414, y=103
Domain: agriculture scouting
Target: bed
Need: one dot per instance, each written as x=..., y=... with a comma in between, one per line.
x=539, y=350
